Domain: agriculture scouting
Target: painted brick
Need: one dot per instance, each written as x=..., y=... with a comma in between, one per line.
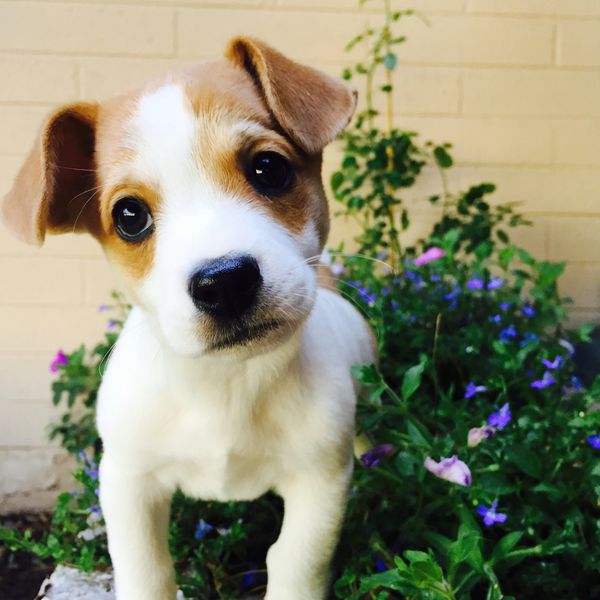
x=30, y=330
x=579, y=317
x=478, y=40
x=534, y=238
x=26, y=423
x=31, y=478
x=488, y=141
x=574, y=238
x=31, y=281
x=19, y=126
x=583, y=8
x=544, y=190
x=579, y=43
x=37, y=78
x=577, y=142
x=94, y=29
x=24, y=378
x=302, y=35
x=425, y=90
x=99, y=280
x=531, y=92
x=105, y=77
x=582, y=284
x=451, y=6
x=170, y=3
x=417, y=90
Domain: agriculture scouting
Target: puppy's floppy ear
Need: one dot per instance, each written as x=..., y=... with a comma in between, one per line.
x=57, y=179
x=311, y=107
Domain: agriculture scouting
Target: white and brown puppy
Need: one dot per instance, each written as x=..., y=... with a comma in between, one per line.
x=232, y=374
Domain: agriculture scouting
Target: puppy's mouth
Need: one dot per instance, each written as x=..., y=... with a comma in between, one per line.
x=242, y=334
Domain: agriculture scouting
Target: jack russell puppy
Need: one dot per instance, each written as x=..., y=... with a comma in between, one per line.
x=232, y=374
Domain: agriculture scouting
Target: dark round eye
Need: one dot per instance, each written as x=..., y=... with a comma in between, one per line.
x=132, y=219
x=270, y=173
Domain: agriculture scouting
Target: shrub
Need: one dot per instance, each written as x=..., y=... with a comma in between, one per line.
x=478, y=475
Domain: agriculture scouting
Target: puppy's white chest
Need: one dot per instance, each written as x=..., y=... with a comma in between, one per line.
x=212, y=456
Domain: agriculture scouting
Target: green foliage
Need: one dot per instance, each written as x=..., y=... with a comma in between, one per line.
x=478, y=327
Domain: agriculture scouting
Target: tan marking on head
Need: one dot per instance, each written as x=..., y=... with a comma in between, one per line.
x=234, y=123
x=135, y=258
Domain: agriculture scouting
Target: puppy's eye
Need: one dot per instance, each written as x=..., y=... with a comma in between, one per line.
x=132, y=219
x=270, y=173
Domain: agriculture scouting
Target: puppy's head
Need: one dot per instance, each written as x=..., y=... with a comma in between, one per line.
x=204, y=188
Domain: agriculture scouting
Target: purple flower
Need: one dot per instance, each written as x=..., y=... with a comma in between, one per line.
x=381, y=566
x=501, y=418
x=374, y=456
x=509, y=333
x=490, y=516
x=104, y=307
x=451, y=469
x=394, y=306
x=60, y=360
x=594, y=441
x=476, y=435
x=473, y=389
x=567, y=346
x=434, y=253
x=546, y=381
x=576, y=383
x=112, y=324
x=475, y=283
x=202, y=529
x=495, y=283
x=528, y=338
x=528, y=311
x=92, y=472
x=504, y=306
x=414, y=277
x=366, y=294
x=453, y=294
x=435, y=277
x=496, y=319
x=249, y=578
x=555, y=364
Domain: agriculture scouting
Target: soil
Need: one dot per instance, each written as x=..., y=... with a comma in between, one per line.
x=22, y=574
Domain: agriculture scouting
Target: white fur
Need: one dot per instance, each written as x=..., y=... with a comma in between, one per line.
x=224, y=425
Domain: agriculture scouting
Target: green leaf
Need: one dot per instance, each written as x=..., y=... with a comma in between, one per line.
x=412, y=380
x=336, y=180
x=505, y=545
x=525, y=459
x=442, y=158
x=367, y=374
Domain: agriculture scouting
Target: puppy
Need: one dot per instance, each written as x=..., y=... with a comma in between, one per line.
x=232, y=374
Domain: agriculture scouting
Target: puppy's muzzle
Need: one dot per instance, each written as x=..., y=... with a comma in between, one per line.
x=226, y=287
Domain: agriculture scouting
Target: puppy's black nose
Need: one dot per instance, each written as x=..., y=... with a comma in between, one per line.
x=227, y=286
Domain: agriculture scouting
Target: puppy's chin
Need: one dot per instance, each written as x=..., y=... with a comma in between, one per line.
x=239, y=339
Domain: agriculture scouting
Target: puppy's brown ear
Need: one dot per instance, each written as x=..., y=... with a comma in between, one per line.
x=311, y=107
x=53, y=188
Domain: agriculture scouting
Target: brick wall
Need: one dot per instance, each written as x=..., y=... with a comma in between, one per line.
x=514, y=84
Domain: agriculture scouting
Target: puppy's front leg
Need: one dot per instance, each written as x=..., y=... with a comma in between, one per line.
x=136, y=510
x=298, y=563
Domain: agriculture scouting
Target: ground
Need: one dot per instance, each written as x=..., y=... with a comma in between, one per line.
x=21, y=575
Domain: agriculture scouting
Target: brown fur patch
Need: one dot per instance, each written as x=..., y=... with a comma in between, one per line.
x=255, y=100
x=135, y=258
